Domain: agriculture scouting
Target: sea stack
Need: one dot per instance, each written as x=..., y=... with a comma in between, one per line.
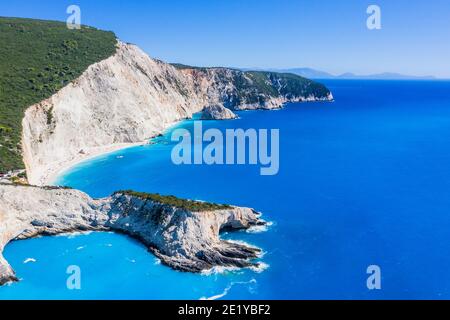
x=217, y=112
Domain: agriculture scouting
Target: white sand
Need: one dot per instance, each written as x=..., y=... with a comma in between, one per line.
x=49, y=174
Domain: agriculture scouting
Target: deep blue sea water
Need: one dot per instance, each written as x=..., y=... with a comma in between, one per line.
x=363, y=180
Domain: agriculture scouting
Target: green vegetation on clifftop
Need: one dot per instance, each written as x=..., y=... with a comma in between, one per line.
x=37, y=58
x=255, y=87
x=189, y=205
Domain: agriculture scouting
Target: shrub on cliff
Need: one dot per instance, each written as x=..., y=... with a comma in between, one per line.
x=254, y=87
x=189, y=205
x=37, y=58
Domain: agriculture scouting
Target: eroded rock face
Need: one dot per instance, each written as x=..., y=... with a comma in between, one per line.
x=27, y=212
x=6, y=272
x=130, y=98
x=217, y=112
x=182, y=239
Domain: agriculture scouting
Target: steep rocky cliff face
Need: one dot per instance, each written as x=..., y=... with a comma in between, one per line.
x=240, y=90
x=183, y=239
x=129, y=98
x=126, y=98
x=27, y=212
x=37, y=59
x=186, y=240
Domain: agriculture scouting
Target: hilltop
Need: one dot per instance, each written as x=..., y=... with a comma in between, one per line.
x=37, y=58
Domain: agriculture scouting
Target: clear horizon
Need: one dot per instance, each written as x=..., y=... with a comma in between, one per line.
x=322, y=35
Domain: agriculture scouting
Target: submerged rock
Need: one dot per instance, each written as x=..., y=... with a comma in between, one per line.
x=217, y=112
x=184, y=236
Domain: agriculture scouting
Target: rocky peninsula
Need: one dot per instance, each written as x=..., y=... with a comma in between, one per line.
x=183, y=234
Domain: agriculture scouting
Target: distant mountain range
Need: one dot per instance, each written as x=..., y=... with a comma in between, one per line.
x=317, y=74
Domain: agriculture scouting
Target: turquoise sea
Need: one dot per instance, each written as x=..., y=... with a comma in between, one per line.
x=363, y=181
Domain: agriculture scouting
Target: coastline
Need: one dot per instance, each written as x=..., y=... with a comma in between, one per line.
x=176, y=242
x=49, y=175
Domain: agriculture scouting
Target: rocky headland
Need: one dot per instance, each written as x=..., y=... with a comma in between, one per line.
x=183, y=234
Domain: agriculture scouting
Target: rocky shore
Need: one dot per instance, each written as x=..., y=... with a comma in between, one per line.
x=217, y=112
x=184, y=238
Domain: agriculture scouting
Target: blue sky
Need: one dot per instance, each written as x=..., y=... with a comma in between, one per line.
x=329, y=35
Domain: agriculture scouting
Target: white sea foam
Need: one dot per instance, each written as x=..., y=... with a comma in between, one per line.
x=157, y=261
x=227, y=289
x=71, y=235
x=256, y=229
x=220, y=295
x=219, y=270
x=260, y=267
x=259, y=229
x=222, y=269
x=262, y=254
x=28, y=260
x=81, y=248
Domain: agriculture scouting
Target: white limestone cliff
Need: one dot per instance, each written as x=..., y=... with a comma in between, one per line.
x=184, y=240
x=123, y=101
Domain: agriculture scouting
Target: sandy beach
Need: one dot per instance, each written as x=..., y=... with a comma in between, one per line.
x=48, y=175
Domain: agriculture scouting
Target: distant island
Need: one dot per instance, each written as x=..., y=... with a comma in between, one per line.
x=318, y=74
